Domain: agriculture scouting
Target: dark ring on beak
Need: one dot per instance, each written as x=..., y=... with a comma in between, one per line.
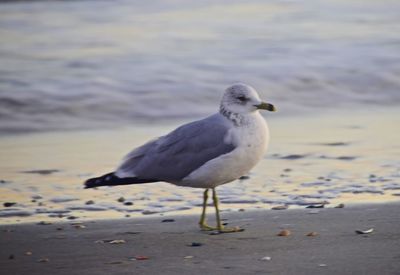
x=266, y=106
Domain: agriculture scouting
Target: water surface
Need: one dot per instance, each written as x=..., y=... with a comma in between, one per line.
x=65, y=65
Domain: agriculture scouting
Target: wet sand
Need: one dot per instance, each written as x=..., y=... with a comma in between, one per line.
x=178, y=247
x=335, y=158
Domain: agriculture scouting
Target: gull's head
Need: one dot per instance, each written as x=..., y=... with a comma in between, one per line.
x=243, y=99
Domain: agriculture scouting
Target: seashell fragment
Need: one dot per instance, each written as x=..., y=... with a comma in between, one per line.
x=140, y=258
x=368, y=231
x=79, y=226
x=116, y=242
x=280, y=207
x=284, y=233
x=341, y=205
x=111, y=241
x=43, y=260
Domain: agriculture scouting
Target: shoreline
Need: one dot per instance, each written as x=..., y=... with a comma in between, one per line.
x=192, y=213
x=176, y=246
x=350, y=158
x=169, y=124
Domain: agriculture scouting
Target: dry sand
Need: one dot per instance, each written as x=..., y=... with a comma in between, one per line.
x=337, y=249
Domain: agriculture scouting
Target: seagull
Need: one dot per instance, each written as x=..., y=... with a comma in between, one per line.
x=202, y=154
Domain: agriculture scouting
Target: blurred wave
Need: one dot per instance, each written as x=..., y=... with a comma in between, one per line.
x=88, y=64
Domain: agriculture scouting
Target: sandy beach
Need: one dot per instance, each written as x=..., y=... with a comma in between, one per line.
x=174, y=245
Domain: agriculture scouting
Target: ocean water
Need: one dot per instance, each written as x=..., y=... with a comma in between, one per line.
x=99, y=64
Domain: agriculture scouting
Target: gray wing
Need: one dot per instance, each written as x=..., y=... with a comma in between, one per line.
x=174, y=156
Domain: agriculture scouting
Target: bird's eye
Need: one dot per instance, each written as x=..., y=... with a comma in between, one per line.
x=242, y=98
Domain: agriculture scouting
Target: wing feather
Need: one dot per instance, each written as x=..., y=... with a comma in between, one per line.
x=174, y=156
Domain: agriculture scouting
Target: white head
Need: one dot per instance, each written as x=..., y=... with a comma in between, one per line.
x=243, y=99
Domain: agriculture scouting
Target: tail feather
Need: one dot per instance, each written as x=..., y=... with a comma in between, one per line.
x=111, y=179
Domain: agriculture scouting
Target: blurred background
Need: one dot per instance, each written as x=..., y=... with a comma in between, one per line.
x=84, y=82
x=98, y=64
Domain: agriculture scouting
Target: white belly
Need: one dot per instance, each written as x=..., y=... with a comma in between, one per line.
x=252, y=141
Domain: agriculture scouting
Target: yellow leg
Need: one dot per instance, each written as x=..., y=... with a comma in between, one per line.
x=202, y=222
x=215, y=200
x=220, y=227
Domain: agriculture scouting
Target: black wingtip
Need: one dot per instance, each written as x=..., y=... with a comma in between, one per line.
x=100, y=181
x=111, y=179
x=88, y=184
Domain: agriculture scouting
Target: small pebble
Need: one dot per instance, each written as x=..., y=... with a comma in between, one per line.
x=312, y=234
x=11, y=257
x=44, y=223
x=72, y=218
x=9, y=204
x=121, y=199
x=188, y=257
x=280, y=207
x=284, y=233
x=168, y=220
x=128, y=203
x=265, y=259
x=28, y=253
x=194, y=244
x=148, y=212
x=316, y=206
x=89, y=202
x=341, y=205
x=79, y=226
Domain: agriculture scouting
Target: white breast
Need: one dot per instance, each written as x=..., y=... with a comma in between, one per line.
x=251, y=139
